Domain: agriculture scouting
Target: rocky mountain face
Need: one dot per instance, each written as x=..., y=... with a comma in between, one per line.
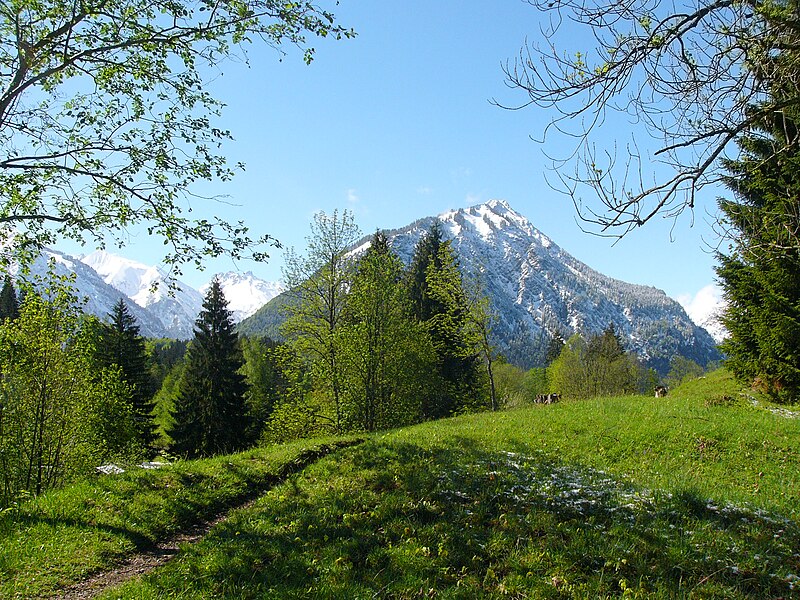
x=146, y=286
x=538, y=290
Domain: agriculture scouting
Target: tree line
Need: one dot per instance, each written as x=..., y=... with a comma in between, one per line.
x=370, y=345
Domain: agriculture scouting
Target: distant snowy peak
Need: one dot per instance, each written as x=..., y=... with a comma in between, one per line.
x=149, y=287
x=489, y=219
x=99, y=296
x=245, y=292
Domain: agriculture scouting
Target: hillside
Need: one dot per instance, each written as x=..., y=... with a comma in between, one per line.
x=538, y=290
x=695, y=495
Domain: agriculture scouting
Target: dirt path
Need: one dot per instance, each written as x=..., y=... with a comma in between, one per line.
x=144, y=562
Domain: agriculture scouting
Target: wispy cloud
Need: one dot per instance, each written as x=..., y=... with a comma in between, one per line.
x=353, y=197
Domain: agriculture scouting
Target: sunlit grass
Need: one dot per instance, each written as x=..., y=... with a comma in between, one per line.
x=691, y=496
x=64, y=535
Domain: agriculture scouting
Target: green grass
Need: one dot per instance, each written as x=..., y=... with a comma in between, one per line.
x=65, y=535
x=692, y=496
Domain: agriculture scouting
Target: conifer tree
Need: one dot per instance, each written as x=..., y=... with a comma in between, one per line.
x=759, y=275
x=210, y=409
x=425, y=253
x=120, y=344
x=9, y=303
x=442, y=306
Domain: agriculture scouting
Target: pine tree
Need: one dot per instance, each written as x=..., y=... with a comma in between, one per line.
x=9, y=303
x=210, y=409
x=759, y=274
x=120, y=344
x=444, y=301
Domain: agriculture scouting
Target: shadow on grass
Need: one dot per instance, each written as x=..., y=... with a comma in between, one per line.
x=399, y=520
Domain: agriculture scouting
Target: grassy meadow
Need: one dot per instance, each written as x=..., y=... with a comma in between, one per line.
x=696, y=495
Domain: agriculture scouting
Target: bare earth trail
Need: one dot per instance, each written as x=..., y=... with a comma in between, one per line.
x=145, y=561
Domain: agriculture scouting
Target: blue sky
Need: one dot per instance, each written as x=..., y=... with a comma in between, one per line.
x=398, y=124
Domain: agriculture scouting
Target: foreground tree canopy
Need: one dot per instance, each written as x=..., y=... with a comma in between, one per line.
x=695, y=73
x=105, y=122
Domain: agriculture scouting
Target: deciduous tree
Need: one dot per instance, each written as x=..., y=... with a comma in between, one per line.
x=389, y=355
x=694, y=74
x=106, y=122
x=58, y=416
x=319, y=282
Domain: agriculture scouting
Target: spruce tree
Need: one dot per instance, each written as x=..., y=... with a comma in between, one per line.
x=759, y=274
x=120, y=344
x=9, y=303
x=425, y=253
x=210, y=409
x=440, y=302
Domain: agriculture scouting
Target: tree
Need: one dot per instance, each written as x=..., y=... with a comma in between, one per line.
x=567, y=374
x=759, y=274
x=121, y=345
x=105, y=122
x=597, y=367
x=319, y=283
x=682, y=369
x=554, y=347
x=445, y=300
x=58, y=416
x=480, y=319
x=9, y=305
x=210, y=409
x=425, y=253
x=696, y=74
x=265, y=382
x=609, y=368
x=388, y=355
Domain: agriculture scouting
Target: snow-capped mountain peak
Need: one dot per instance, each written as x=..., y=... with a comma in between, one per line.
x=245, y=292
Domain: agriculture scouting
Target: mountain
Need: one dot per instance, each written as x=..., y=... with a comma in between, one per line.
x=538, y=290
x=100, y=296
x=147, y=286
x=245, y=292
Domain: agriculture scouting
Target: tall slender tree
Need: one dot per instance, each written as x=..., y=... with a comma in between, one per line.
x=425, y=253
x=319, y=282
x=441, y=304
x=210, y=409
x=388, y=353
x=759, y=274
x=9, y=303
x=120, y=344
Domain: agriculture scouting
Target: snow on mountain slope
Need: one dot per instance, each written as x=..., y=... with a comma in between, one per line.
x=100, y=297
x=147, y=286
x=245, y=292
x=538, y=290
